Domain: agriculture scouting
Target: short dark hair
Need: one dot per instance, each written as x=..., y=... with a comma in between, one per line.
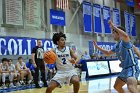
x=57, y=36
x=20, y=58
x=4, y=59
x=30, y=60
x=39, y=40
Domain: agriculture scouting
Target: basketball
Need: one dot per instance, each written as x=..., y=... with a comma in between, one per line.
x=50, y=57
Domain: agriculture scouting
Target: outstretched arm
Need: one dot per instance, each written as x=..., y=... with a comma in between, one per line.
x=105, y=52
x=123, y=34
x=74, y=56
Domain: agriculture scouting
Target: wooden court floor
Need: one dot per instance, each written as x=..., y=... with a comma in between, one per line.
x=104, y=85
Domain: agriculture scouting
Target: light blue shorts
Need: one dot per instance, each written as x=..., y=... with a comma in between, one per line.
x=132, y=71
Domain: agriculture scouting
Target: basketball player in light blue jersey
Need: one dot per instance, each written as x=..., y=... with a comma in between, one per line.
x=64, y=64
x=124, y=50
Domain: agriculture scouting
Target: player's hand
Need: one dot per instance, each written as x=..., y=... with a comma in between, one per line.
x=111, y=24
x=72, y=60
x=95, y=43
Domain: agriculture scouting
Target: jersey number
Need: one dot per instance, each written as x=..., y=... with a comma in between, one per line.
x=64, y=60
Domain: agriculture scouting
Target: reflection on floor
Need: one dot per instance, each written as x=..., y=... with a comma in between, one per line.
x=104, y=85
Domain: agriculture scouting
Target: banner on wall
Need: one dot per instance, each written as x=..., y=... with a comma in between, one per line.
x=130, y=3
x=57, y=17
x=97, y=18
x=21, y=46
x=116, y=17
x=106, y=16
x=87, y=16
x=127, y=22
x=133, y=25
x=104, y=45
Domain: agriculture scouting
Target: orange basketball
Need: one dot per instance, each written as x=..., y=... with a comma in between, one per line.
x=50, y=57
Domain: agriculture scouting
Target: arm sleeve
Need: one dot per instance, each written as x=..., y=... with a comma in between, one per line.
x=34, y=50
x=114, y=48
x=127, y=44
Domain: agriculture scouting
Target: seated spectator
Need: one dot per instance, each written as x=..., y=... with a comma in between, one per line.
x=30, y=66
x=4, y=70
x=51, y=71
x=13, y=73
x=23, y=70
x=86, y=56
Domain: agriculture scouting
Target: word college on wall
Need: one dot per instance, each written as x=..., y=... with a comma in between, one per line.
x=21, y=46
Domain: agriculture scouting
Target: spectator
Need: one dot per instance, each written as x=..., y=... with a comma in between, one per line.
x=31, y=67
x=86, y=56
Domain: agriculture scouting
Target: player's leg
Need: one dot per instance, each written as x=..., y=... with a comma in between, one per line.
x=23, y=74
x=132, y=85
x=11, y=78
x=52, y=85
x=56, y=81
x=30, y=78
x=18, y=78
x=118, y=85
x=75, y=81
x=4, y=75
x=133, y=73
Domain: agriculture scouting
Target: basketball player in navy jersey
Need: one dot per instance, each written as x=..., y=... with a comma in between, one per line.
x=64, y=63
x=124, y=50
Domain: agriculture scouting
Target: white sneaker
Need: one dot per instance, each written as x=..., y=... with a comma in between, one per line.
x=22, y=83
x=18, y=84
x=30, y=81
x=12, y=85
x=3, y=86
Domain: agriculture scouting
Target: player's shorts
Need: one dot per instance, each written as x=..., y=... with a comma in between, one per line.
x=132, y=71
x=63, y=77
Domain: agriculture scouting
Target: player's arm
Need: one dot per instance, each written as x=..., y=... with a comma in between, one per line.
x=73, y=55
x=105, y=52
x=7, y=70
x=18, y=67
x=136, y=51
x=123, y=34
x=25, y=68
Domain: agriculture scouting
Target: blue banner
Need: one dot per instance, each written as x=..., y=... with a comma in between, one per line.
x=87, y=16
x=133, y=25
x=116, y=17
x=97, y=18
x=21, y=46
x=127, y=23
x=106, y=16
x=130, y=3
x=57, y=17
x=104, y=45
x=91, y=48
